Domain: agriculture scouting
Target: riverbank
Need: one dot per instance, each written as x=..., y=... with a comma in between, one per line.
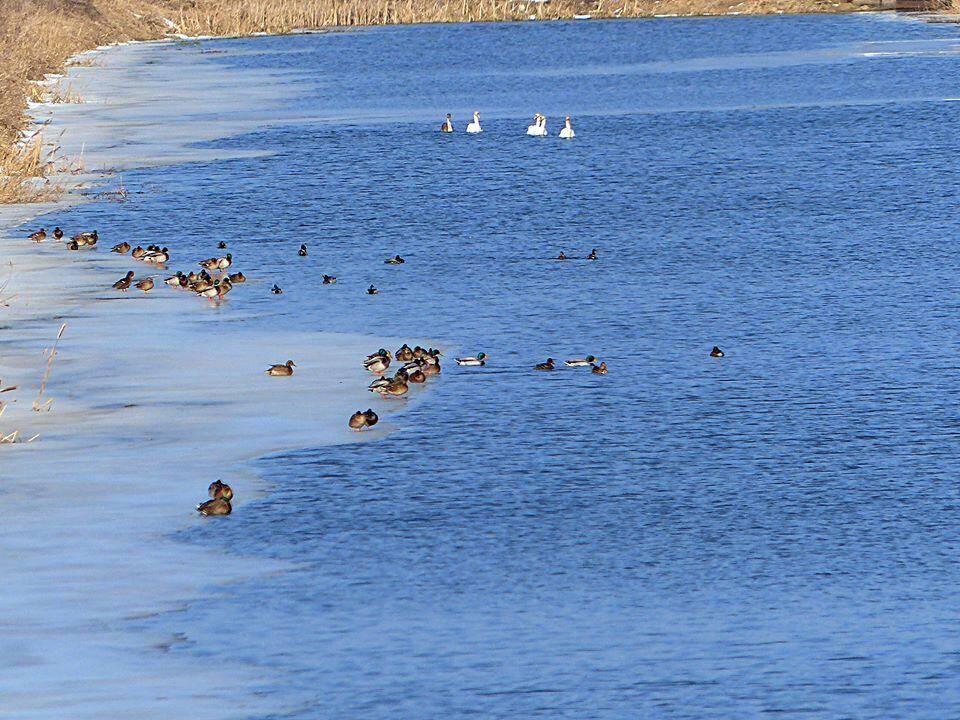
x=150, y=398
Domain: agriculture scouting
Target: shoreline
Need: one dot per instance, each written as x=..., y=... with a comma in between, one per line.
x=130, y=443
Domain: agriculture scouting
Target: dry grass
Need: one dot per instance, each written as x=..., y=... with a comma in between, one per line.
x=39, y=36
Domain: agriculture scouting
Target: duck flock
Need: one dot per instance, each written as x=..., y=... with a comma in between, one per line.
x=537, y=129
x=213, y=281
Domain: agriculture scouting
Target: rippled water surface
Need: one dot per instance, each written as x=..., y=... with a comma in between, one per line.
x=770, y=533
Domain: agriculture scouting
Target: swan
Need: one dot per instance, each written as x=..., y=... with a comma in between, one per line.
x=567, y=131
x=447, y=126
x=474, y=127
x=539, y=127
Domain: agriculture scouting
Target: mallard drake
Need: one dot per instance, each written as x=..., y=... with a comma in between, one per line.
x=382, y=352
x=84, y=238
x=157, y=257
x=138, y=252
x=217, y=263
x=378, y=385
x=146, y=285
x=480, y=359
x=592, y=255
x=716, y=352
x=283, y=369
x=276, y=290
x=208, y=290
x=218, y=506
x=562, y=255
x=39, y=236
x=123, y=248
x=237, y=278
x=175, y=280
x=419, y=353
x=378, y=362
x=329, y=280
x=585, y=362
x=124, y=283
x=57, y=233
x=372, y=290
x=395, y=260
x=221, y=245
x=404, y=353
x=302, y=252
x=219, y=490
x=548, y=365
x=447, y=126
x=600, y=369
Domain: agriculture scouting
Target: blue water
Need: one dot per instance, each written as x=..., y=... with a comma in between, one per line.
x=772, y=533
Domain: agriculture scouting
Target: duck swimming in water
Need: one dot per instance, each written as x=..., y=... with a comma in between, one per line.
x=124, y=283
x=548, y=365
x=567, y=132
x=302, y=252
x=276, y=290
x=474, y=127
x=395, y=260
x=372, y=290
x=219, y=490
x=562, y=255
x=716, y=352
x=480, y=359
x=221, y=245
x=592, y=255
x=283, y=369
x=600, y=369
x=329, y=280
x=447, y=126
x=584, y=362
x=218, y=506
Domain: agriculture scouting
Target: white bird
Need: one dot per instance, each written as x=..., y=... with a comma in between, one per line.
x=539, y=127
x=474, y=127
x=567, y=131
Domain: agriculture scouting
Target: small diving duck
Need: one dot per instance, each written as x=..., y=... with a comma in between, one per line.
x=474, y=127
x=39, y=236
x=580, y=362
x=283, y=369
x=372, y=290
x=217, y=506
x=716, y=352
x=395, y=260
x=447, y=126
x=567, y=132
x=600, y=369
x=592, y=255
x=123, y=248
x=548, y=365
x=302, y=252
x=219, y=490
x=146, y=285
x=124, y=283
x=562, y=255
x=276, y=289
x=480, y=359
x=221, y=245
x=57, y=233
x=329, y=280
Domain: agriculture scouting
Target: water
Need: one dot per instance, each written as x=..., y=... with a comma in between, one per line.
x=770, y=533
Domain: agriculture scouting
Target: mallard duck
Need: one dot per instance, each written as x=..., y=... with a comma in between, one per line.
x=363, y=418
x=192, y=277
x=124, y=283
x=236, y=278
x=588, y=360
x=592, y=255
x=431, y=368
x=72, y=245
x=329, y=280
x=208, y=290
x=562, y=255
x=175, y=280
x=396, y=387
x=302, y=252
x=224, y=287
x=600, y=369
x=379, y=384
x=282, y=369
x=220, y=489
x=404, y=353
x=146, y=285
x=371, y=416
x=716, y=352
x=39, y=236
x=382, y=352
x=138, y=252
x=395, y=260
x=548, y=365
x=123, y=248
x=221, y=245
x=57, y=233
x=480, y=359
x=276, y=290
x=447, y=126
x=84, y=238
x=419, y=353
x=157, y=257
x=217, y=263
x=378, y=362
x=218, y=506
x=416, y=376
x=372, y=290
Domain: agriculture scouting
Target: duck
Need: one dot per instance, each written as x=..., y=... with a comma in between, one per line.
x=219, y=490
x=431, y=368
x=371, y=416
x=416, y=376
x=372, y=290
x=146, y=285
x=175, y=280
x=363, y=418
x=57, y=233
x=716, y=352
x=567, y=132
x=600, y=369
x=138, y=252
x=124, y=283
x=217, y=506
x=562, y=255
x=84, y=238
x=382, y=352
x=276, y=290
x=329, y=280
x=282, y=369
x=581, y=362
x=221, y=245
x=72, y=245
x=447, y=126
x=217, y=263
x=39, y=236
x=123, y=248
x=592, y=255
x=302, y=252
x=404, y=353
x=474, y=127
x=157, y=257
x=237, y=278
x=378, y=384
x=548, y=365
x=378, y=362
x=396, y=387
x=479, y=359
x=207, y=289
x=395, y=260
x=224, y=287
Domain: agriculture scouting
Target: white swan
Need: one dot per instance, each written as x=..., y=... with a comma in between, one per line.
x=567, y=131
x=539, y=127
x=474, y=127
